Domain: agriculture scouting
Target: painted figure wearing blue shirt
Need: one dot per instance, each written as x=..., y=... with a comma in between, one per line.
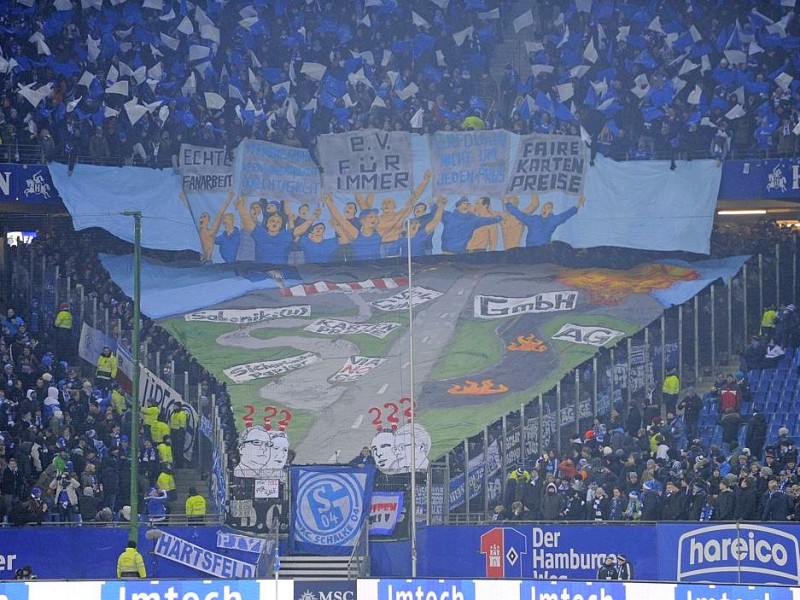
x=272, y=240
x=228, y=241
x=541, y=227
x=421, y=233
x=460, y=224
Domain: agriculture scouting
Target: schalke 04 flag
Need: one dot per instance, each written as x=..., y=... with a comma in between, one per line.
x=330, y=505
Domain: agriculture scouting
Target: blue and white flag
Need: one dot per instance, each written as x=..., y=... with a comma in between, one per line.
x=329, y=506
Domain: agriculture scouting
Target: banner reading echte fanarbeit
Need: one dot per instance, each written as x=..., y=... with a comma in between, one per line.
x=205, y=169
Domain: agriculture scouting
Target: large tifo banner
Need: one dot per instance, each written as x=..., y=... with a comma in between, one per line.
x=691, y=553
x=330, y=505
x=367, y=192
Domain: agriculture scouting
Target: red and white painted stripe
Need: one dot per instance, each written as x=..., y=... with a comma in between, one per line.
x=321, y=287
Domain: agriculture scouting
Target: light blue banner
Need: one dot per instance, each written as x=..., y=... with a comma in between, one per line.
x=642, y=204
x=639, y=204
x=98, y=197
x=170, y=290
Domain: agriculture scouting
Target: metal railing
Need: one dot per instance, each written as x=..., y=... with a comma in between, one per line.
x=358, y=565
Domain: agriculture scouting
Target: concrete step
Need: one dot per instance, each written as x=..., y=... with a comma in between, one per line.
x=310, y=568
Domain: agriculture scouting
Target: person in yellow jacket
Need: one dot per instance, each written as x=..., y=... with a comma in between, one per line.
x=177, y=431
x=670, y=390
x=63, y=325
x=166, y=482
x=106, y=372
x=130, y=563
x=118, y=401
x=149, y=416
x=165, y=450
x=158, y=430
x=768, y=322
x=195, y=506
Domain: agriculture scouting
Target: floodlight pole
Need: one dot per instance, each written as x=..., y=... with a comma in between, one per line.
x=133, y=533
x=412, y=411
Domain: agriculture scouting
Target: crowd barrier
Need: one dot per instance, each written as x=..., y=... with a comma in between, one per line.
x=385, y=589
x=722, y=553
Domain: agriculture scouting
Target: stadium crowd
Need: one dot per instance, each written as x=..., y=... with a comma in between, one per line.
x=123, y=82
x=650, y=459
x=65, y=452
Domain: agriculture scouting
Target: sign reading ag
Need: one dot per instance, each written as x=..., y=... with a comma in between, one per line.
x=593, y=336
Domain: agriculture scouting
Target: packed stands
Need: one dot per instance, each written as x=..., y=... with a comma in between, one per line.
x=127, y=82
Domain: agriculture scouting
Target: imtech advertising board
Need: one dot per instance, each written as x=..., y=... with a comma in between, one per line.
x=386, y=589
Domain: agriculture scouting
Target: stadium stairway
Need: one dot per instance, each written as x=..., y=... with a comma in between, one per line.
x=775, y=392
x=512, y=49
x=184, y=479
x=313, y=568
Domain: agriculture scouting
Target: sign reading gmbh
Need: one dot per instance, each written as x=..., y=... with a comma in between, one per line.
x=498, y=307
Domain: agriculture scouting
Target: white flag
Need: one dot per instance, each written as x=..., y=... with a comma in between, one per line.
x=462, y=35
x=784, y=80
x=416, y=120
x=198, y=52
x=694, y=95
x=209, y=32
x=186, y=27
x=736, y=112
x=134, y=110
x=735, y=57
x=120, y=87
x=314, y=71
x=687, y=66
x=214, y=101
x=170, y=42
x=565, y=91
x=655, y=25
x=523, y=21
x=590, y=53
x=419, y=21
x=86, y=79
